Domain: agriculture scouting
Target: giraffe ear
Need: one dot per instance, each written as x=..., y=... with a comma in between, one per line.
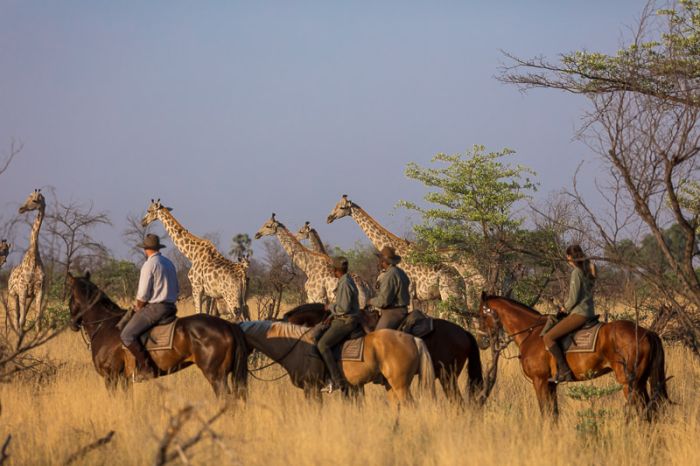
x=307, y=223
x=345, y=196
x=169, y=209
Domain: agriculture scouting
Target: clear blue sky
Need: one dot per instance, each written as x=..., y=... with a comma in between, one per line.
x=228, y=111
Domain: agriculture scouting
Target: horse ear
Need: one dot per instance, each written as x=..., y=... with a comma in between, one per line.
x=87, y=275
x=483, y=295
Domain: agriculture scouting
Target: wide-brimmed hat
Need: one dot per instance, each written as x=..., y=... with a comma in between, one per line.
x=389, y=254
x=339, y=262
x=151, y=241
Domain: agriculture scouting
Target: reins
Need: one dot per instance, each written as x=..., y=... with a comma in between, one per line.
x=278, y=361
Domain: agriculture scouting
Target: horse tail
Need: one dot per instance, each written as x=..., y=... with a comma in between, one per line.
x=426, y=372
x=657, y=372
x=238, y=367
x=474, y=370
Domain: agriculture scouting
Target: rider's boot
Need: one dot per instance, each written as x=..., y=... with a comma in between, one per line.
x=338, y=382
x=564, y=373
x=145, y=369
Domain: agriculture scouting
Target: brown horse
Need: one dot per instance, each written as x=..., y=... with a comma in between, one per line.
x=216, y=346
x=450, y=346
x=633, y=354
x=395, y=355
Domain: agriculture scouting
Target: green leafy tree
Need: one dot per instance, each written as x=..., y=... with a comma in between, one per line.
x=644, y=122
x=472, y=213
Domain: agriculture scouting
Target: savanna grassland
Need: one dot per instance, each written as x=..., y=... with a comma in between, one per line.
x=53, y=418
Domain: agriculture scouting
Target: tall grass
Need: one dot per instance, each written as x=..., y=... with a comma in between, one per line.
x=49, y=421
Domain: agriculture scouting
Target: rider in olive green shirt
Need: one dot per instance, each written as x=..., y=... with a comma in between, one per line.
x=344, y=319
x=393, y=297
x=579, y=307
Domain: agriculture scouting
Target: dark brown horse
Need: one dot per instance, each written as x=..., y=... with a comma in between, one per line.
x=632, y=353
x=450, y=346
x=216, y=346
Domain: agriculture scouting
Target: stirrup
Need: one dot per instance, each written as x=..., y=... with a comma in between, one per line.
x=330, y=388
x=567, y=376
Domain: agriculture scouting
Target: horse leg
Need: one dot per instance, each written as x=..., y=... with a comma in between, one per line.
x=312, y=393
x=630, y=388
x=546, y=396
x=448, y=381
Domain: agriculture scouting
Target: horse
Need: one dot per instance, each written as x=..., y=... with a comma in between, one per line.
x=633, y=354
x=216, y=346
x=449, y=345
x=395, y=355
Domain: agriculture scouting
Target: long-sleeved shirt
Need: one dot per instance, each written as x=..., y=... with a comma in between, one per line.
x=158, y=281
x=393, y=289
x=580, y=299
x=346, y=298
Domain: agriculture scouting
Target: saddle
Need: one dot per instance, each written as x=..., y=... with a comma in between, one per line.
x=161, y=336
x=417, y=323
x=582, y=340
x=351, y=349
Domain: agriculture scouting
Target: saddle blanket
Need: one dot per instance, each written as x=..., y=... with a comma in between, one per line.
x=350, y=350
x=160, y=337
x=582, y=340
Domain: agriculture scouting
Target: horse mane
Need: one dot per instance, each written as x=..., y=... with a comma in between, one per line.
x=520, y=305
x=306, y=307
x=102, y=298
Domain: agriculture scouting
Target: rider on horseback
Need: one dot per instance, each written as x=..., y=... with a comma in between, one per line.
x=393, y=296
x=579, y=308
x=155, y=300
x=343, y=320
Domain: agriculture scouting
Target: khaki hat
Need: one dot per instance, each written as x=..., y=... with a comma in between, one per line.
x=389, y=254
x=151, y=241
x=340, y=262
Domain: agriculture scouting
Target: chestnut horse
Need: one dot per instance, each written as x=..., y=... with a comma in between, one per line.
x=449, y=345
x=395, y=355
x=632, y=353
x=216, y=346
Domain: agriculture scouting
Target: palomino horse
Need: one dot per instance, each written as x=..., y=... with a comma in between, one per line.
x=395, y=355
x=450, y=346
x=216, y=346
x=634, y=354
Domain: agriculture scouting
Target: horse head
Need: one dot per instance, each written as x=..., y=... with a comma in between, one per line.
x=83, y=294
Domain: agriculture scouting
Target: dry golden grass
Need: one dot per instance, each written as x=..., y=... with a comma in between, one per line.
x=278, y=426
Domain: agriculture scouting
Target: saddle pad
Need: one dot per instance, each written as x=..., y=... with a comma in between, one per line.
x=350, y=350
x=159, y=337
x=582, y=340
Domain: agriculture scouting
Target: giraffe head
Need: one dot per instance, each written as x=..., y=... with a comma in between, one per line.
x=4, y=251
x=304, y=232
x=35, y=201
x=153, y=212
x=342, y=209
x=269, y=228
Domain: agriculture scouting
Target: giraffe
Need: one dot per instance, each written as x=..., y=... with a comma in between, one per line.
x=308, y=233
x=211, y=274
x=320, y=281
x=4, y=251
x=27, y=280
x=428, y=282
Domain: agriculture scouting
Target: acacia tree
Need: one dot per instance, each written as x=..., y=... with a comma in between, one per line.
x=472, y=210
x=643, y=123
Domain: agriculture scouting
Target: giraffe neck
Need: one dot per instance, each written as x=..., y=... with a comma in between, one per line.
x=184, y=241
x=33, y=250
x=302, y=257
x=377, y=234
x=316, y=243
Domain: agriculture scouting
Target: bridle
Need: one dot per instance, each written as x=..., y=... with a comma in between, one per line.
x=499, y=334
x=80, y=322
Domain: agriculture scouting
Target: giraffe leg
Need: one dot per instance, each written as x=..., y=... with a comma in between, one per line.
x=197, y=299
x=13, y=312
x=21, y=312
x=39, y=300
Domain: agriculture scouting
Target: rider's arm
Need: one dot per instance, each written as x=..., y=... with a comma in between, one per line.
x=342, y=300
x=145, y=290
x=575, y=288
x=387, y=291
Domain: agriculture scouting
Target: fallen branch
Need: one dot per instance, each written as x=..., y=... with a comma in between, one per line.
x=90, y=447
x=3, y=452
